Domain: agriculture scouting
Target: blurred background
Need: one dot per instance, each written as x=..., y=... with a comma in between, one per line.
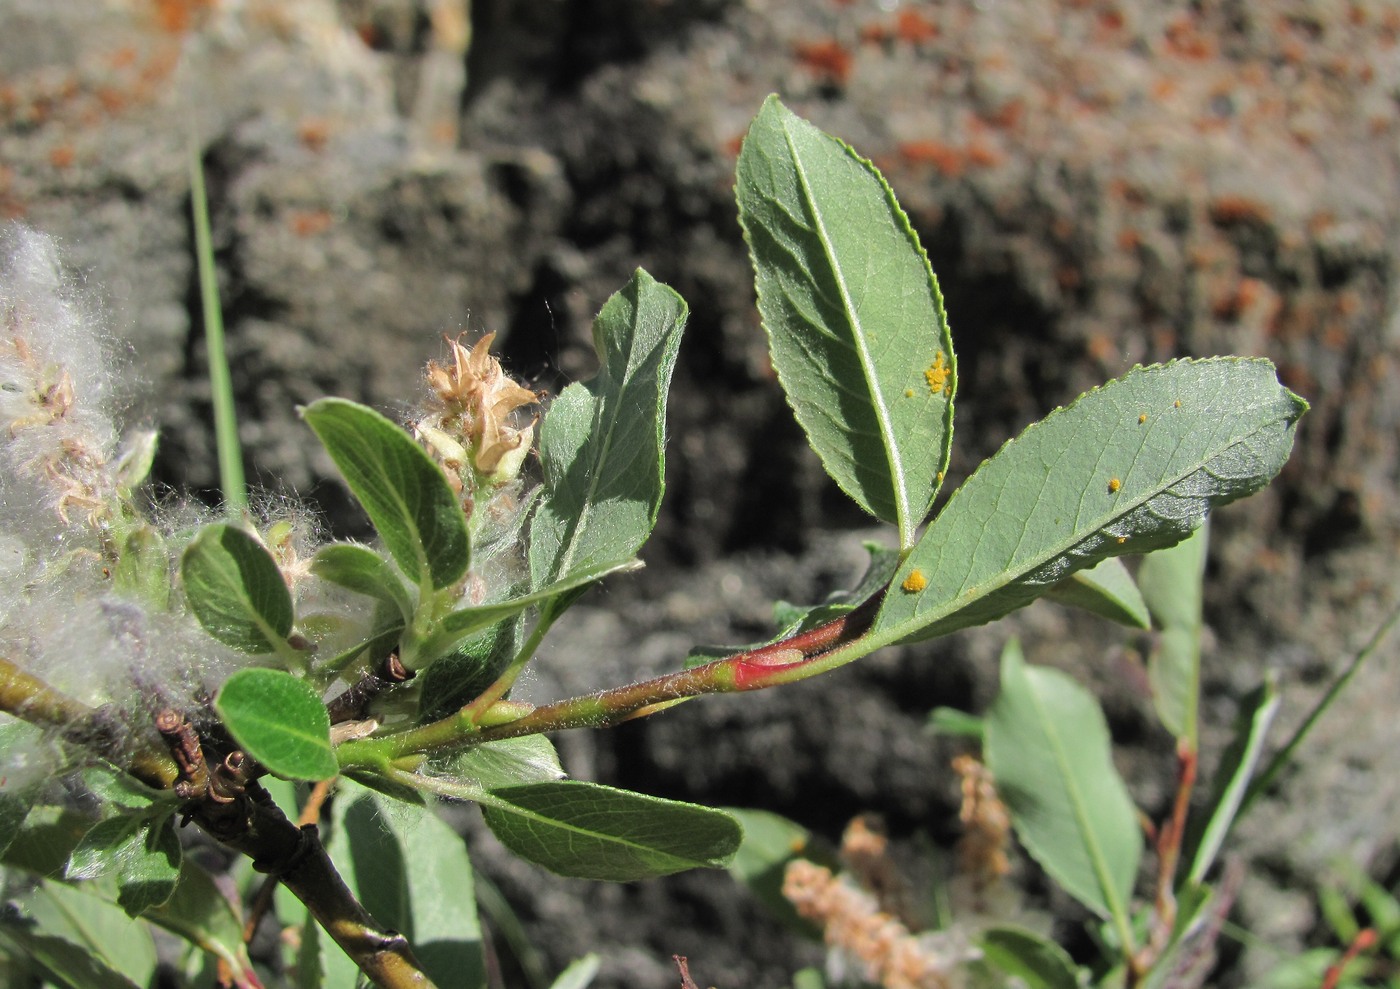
x=1098, y=184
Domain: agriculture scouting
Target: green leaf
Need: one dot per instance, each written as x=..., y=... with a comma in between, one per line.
x=401, y=489
x=46, y=839
x=235, y=589
x=362, y=570
x=853, y=314
x=143, y=569
x=200, y=913
x=1171, y=581
x=461, y=675
x=82, y=940
x=601, y=441
x=1231, y=778
x=13, y=811
x=952, y=723
x=1125, y=469
x=770, y=842
x=280, y=721
x=588, y=831
x=1106, y=590
x=121, y=788
x=579, y=973
x=1035, y=961
x=411, y=872
x=1047, y=746
x=141, y=851
x=453, y=628
x=528, y=759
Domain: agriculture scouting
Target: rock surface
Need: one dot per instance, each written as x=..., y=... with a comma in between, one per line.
x=1097, y=183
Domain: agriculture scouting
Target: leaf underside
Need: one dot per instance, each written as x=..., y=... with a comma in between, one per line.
x=853, y=314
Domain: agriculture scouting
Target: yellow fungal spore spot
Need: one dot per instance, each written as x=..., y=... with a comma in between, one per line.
x=940, y=477
x=1122, y=540
x=938, y=373
x=1176, y=404
x=908, y=393
x=915, y=582
x=1142, y=418
x=1114, y=484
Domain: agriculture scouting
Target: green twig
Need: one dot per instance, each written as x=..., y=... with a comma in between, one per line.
x=231, y=479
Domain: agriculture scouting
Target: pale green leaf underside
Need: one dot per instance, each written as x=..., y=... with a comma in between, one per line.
x=1048, y=747
x=601, y=441
x=235, y=589
x=853, y=314
x=589, y=831
x=1106, y=590
x=363, y=571
x=1125, y=469
x=404, y=493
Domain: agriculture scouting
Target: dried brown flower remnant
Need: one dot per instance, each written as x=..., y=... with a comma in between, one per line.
x=472, y=425
x=865, y=851
x=986, y=823
x=853, y=923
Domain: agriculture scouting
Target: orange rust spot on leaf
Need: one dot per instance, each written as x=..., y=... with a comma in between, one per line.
x=1114, y=485
x=938, y=374
x=1142, y=418
x=915, y=582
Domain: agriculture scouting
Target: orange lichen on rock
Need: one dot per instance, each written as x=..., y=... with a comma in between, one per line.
x=829, y=59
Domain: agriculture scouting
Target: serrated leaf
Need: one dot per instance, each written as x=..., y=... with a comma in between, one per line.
x=1106, y=590
x=1231, y=778
x=80, y=938
x=853, y=314
x=1035, y=961
x=235, y=589
x=587, y=831
x=1171, y=582
x=404, y=493
x=362, y=570
x=602, y=441
x=1125, y=469
x=140, y=851
x=279, y=721
x=411, y=872
x=511, y=761
x=1048, y=748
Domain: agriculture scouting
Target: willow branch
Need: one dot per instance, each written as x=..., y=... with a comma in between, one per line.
x=296, y=857
x=30, y=699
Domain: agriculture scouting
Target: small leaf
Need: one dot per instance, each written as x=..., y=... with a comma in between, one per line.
x=578, y=974
x=412, y=873
x=602, y=441
x=853, y=314
x=1106, y=590
x=112, y=784
x=770, y=842
x=1047, y=746
x=460, y=676
x=143, y=569
x=235, y=589
x=1091, y=481
x=949, y=722
x=588, y=831
x=200, y=912
x=362, y=570
x=142, y=852
x=1035, y=961
x=453, y=628
x=1171, y=581
x=404, y=493
x=280, y=721
x=511, y=761
x=1232, y=776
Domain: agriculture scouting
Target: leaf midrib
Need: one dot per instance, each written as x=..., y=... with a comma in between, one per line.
x=905, y=523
